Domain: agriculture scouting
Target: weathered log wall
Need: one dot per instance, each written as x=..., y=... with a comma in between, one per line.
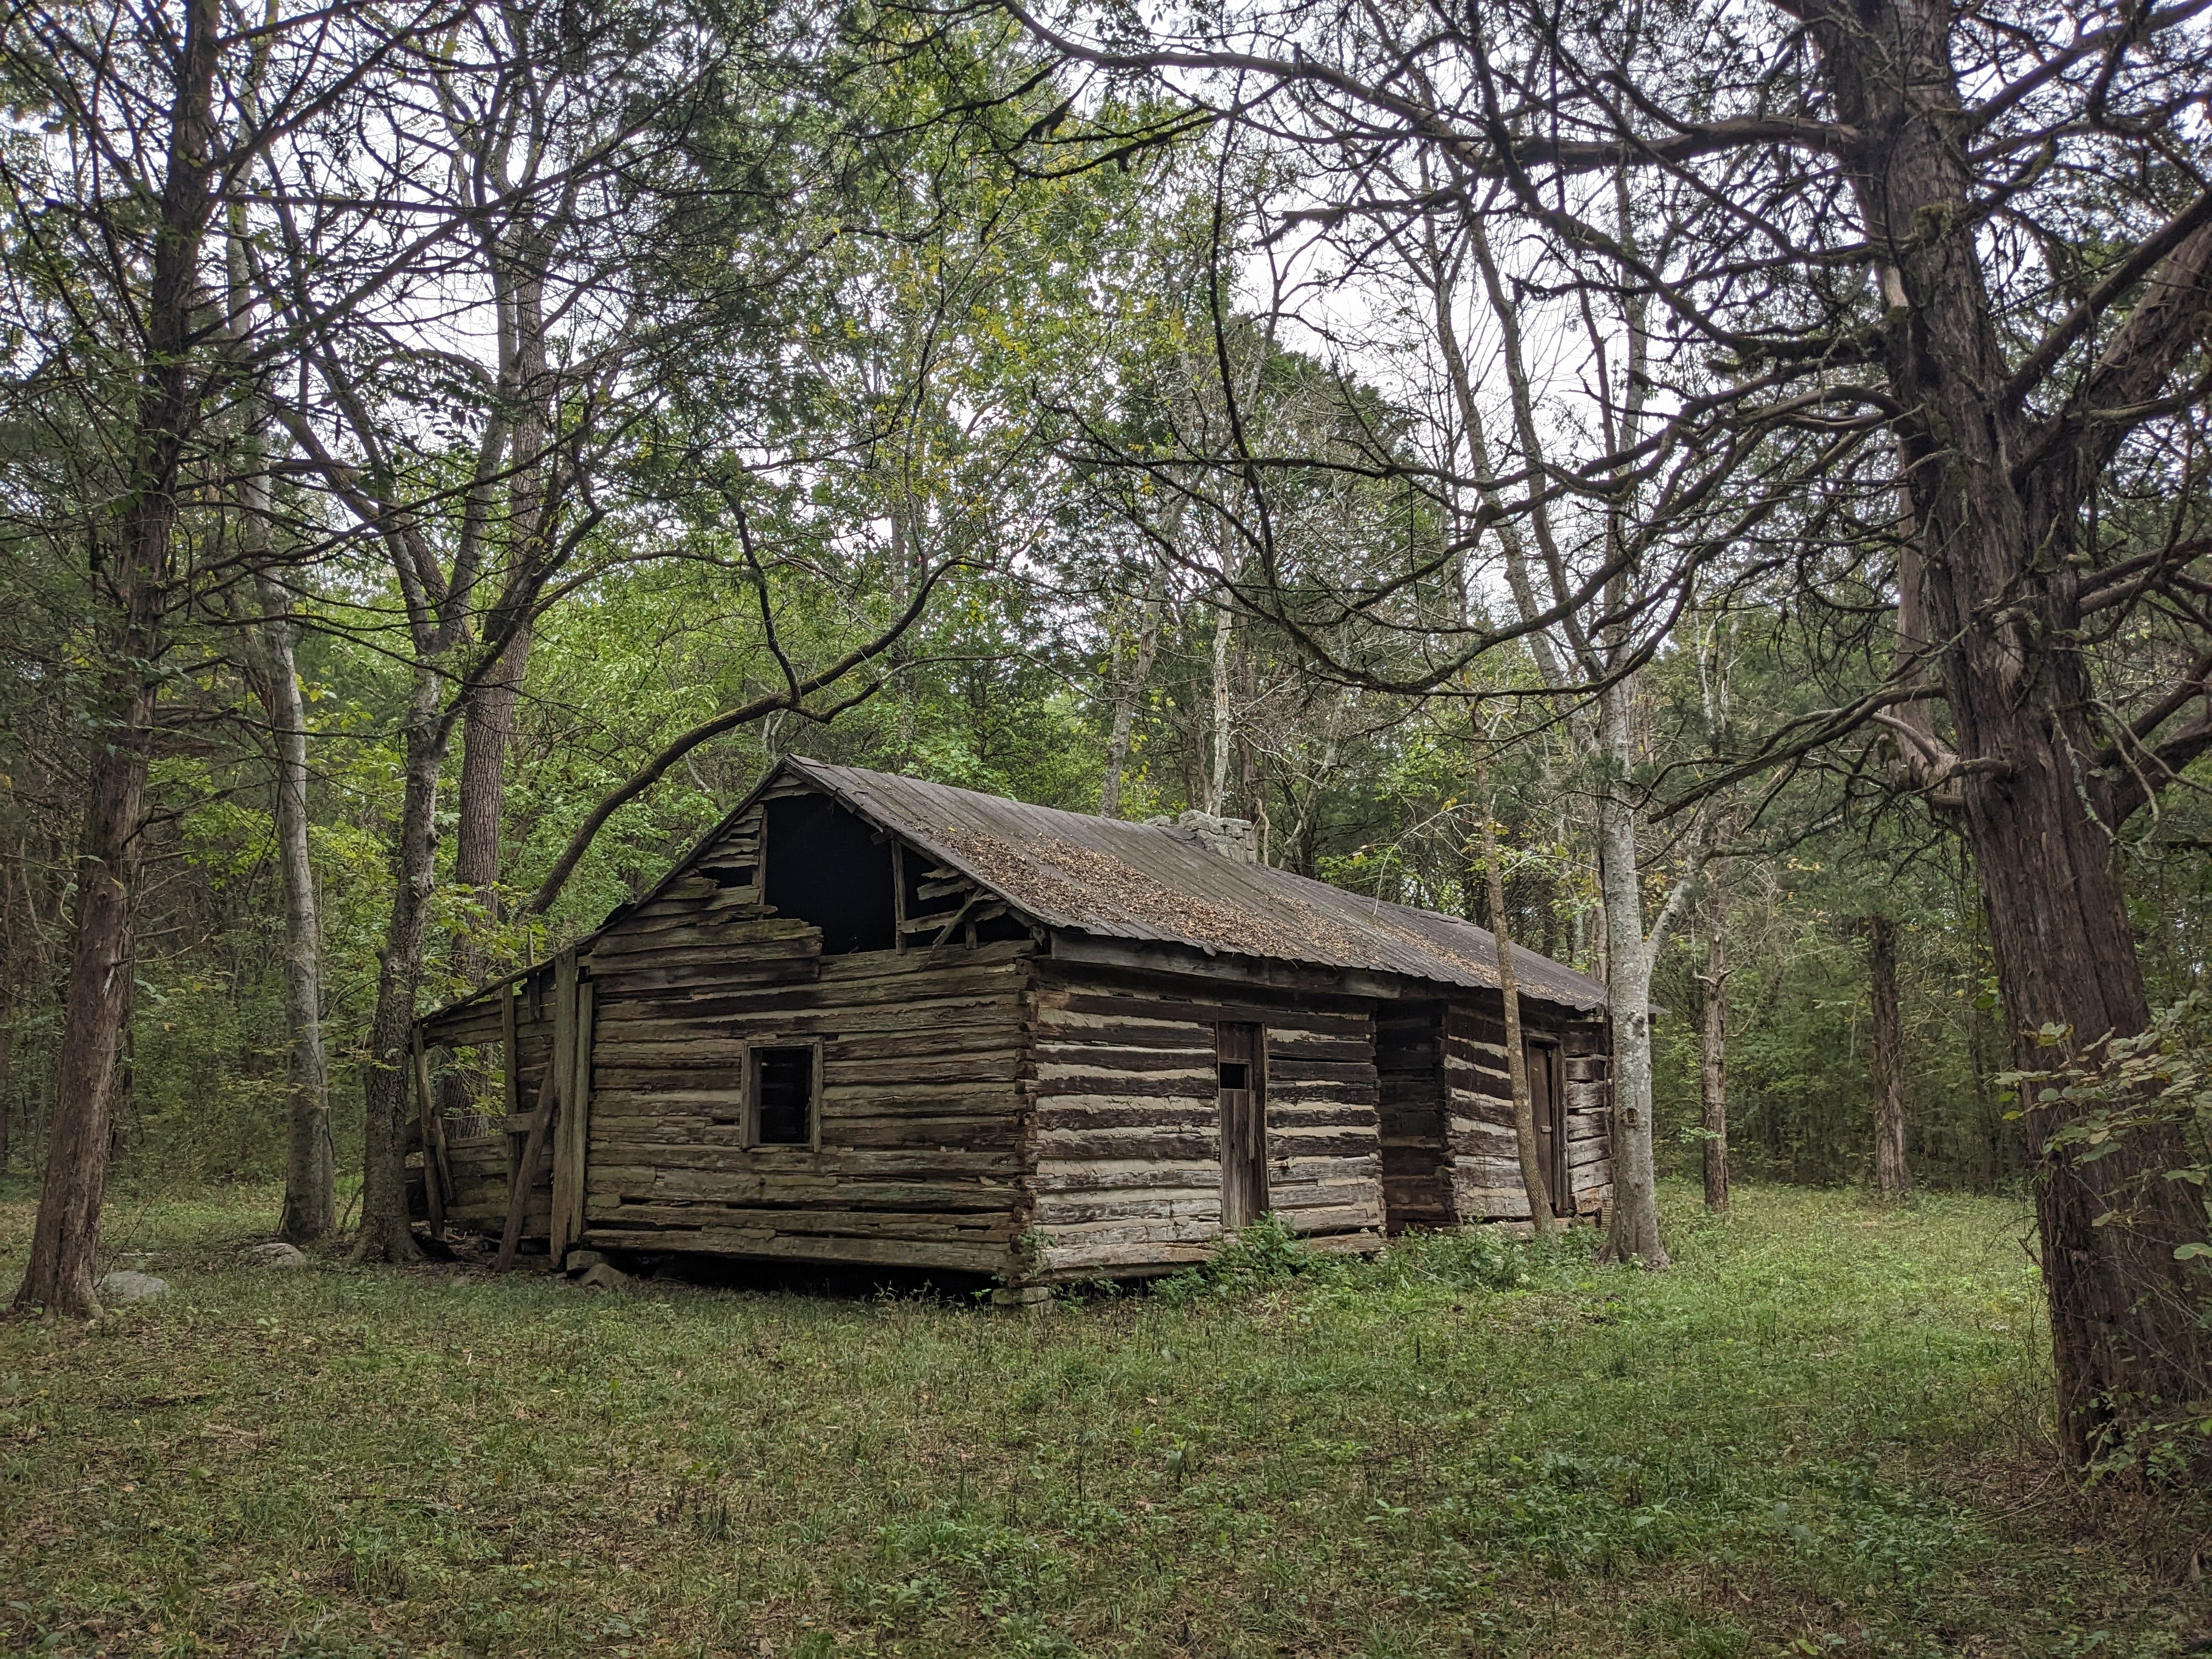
x=1417, y=1186
x=1482, y=1158
x=920, y=1140
x=1588, y=1065
x=1125, y=1172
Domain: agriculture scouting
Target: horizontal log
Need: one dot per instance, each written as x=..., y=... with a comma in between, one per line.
x=1089, y=1112
x=816, y=1011
x=1117, y=1175
x=1287, y=1141
x=1005, y=957
x=1130, y=1086
x=1364, y=1217
x=917, y=1164
x=1154, y=1141
x=964, y=1134
x=1059, y=1025
x=472, y=1028
x=1065, y=1059
x=829, y=991
x=1103, y=1258
x=767, y=938
x=1145, y=966
x=980, y=1227
x=754, y=1187
x=1292, y=1012
x=946, y=1254
x=1290, y=1073
x=1191, y=1204
x=1286, y=1094
x=719, y=974
x=1317, y=1049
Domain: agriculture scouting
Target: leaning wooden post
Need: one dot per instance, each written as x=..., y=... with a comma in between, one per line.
x=525, y=1174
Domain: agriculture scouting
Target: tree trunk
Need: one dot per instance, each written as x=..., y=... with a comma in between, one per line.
x=486, y=730
x=1533, y=1185
x=2126, y=1324
x=1712, y=1055
x=1217, y=777
x=384, y=1234
x=1892, y=1178
x=1634, y=1234
x=1998, y=586
x=59, y=1276
x=310, y=1209
x=488, y=716
x=1132, y=692
x=310, y=1206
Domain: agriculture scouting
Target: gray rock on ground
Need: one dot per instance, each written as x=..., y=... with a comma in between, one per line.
x=124, y=1285
x=276, y=1254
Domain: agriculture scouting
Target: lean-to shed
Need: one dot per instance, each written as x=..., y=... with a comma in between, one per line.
x=873, y=1020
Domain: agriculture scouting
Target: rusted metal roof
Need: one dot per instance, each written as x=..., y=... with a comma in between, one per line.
x=1161, y=883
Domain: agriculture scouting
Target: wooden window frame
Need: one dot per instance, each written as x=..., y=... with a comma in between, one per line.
x=752, y=1141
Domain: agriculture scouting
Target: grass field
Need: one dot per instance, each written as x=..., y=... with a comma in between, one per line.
x=1826, y=1432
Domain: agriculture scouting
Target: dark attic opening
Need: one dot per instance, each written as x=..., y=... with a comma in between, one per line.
x=828, y=867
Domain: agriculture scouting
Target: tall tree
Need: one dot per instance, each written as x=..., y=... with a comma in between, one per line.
x=1893, y=1176
x=113, y=219
x=1712, y=1047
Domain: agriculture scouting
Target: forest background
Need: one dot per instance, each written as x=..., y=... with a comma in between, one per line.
x=554, y=418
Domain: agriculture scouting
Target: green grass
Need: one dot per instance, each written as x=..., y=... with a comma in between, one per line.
x=1825, y=1432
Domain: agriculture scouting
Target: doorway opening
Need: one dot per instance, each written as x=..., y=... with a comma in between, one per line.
x=1241, y=1069
x=1547, y=1101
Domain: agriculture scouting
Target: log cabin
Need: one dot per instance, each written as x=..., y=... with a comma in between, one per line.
x=870, y=1020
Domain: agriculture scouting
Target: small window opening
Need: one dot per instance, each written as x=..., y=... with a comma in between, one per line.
x=783, y=1097
x=1236, y=1074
